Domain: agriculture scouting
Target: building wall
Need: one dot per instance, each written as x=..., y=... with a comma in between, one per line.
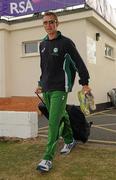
x=4, y=53
x=24, y=70
x=20, y=74
x=103, y=71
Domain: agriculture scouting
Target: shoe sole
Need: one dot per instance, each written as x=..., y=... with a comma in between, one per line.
x=65, y=153
x=42, y=169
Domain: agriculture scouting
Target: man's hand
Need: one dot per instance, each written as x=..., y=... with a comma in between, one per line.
x=86, y=89
x=38, y=90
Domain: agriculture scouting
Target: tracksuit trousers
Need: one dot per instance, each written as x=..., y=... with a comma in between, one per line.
x=56, y=104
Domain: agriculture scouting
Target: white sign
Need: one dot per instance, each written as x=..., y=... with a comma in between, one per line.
x=91, y=50
x=20, y=7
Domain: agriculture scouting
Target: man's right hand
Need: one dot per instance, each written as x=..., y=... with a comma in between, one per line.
x=38, y=90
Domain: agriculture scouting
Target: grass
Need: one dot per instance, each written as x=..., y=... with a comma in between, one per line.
x=18, y=161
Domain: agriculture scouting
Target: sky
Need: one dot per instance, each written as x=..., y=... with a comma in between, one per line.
x=113, y=3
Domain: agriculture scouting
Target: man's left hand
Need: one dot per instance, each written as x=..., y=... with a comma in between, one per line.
x=86, y=89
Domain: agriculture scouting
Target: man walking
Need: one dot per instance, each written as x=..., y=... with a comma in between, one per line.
x=60, y=61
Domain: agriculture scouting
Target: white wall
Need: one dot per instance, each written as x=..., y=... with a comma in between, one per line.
x=103, y=73
x=2, y=63
x=18, y=124
x=24, y=70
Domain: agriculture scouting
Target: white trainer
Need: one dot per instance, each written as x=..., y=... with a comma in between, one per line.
x=44, y=165
x=68, y=147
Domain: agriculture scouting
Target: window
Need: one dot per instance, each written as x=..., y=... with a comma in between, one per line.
x=30, y=48
x=109, y=51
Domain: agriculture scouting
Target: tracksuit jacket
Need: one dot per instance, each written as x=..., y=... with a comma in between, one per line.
x=60, y=61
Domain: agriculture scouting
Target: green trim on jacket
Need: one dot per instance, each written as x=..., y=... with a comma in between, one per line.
x=70, y=71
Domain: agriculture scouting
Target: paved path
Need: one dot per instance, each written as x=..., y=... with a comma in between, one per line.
x=103, y=129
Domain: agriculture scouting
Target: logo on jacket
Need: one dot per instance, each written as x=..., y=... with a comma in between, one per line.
x=43, y=50
x=55, y=52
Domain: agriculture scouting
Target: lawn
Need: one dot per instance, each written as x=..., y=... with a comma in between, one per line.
x=18, y=160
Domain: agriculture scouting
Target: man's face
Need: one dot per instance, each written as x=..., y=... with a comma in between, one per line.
x=50, y=24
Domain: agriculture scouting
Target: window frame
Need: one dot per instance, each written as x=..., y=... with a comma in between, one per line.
x=30, y=54
x=107, y=46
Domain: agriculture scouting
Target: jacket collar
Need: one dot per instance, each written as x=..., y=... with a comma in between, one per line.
x=57, y=37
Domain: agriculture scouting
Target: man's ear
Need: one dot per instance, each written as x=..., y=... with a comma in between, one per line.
x=57, y=23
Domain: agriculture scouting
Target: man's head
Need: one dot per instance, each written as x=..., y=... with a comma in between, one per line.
x=50, y=22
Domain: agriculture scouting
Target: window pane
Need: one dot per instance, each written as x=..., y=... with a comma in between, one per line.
x=31, y=47
x=108, y=50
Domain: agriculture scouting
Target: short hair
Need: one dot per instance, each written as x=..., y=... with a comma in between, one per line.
x=51, y=14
